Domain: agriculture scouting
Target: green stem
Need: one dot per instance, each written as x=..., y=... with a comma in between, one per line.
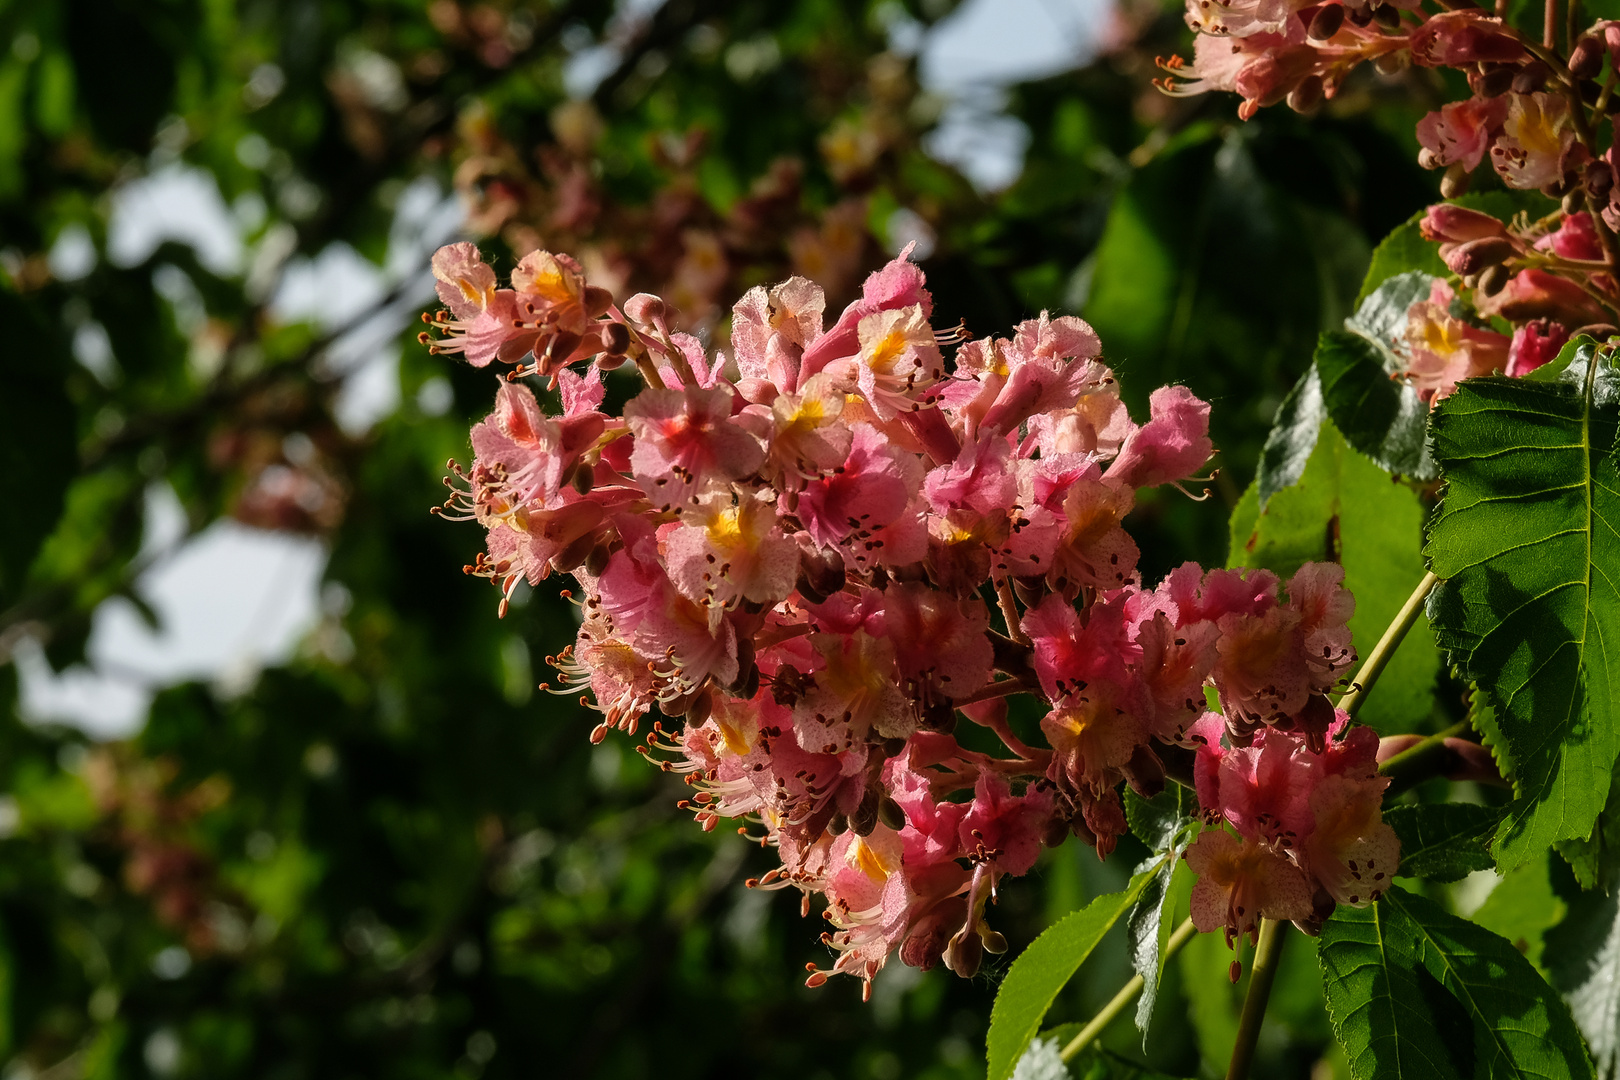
x=1419, y=761
x=1261, y=976
x=1379, y=658
x=1126, y=995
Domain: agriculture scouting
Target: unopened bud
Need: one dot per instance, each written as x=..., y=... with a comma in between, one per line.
x=1474, y=256
x=890, y=814
x=1586, y=58
x=596, y=562
x=821, y=574
x=1599, y=180
x=965, y=953
x=584, y=478
x=994, y=942
x=839, y=825
x=597, y=301
x=611, y=361
x=1145, y=772
x=1392, y=63
x=571, y=557
x=1326, y=22
x=644, y=308
x=615, y=338
x=865, y=817
x=1575, y=200
x=1494, y=83
x=1455, y=181
x=698, y=712
x=1387, y=16
x=1359, y=16
x=1446, y=223
x=1493, y=279
x=1531, y=77
x=1307, y=95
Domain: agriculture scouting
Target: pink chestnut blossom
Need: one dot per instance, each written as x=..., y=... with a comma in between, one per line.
x=826, y=557
x=1460, y=132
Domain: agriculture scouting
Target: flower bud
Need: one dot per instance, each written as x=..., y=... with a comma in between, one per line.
x=865, y=817
x=645, y=308
x=1531, y=77
x=1474, y=256
x=1445, y=222
x=1307, y=95
x=1392, y=63
x=1495, y=82
x=1599, y=180
x=1575, y=200
x=1387, y=16
x=1586, y=59
x=615, y=338
x=1492, y=280
x=597, y=301
x=1359, y=16
x=610, y=361
x=1326, y=22
x=890, y=814
x=965, y=953
x=1455, y=180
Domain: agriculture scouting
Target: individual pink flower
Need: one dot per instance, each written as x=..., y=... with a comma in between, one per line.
x=1534, y=344
x=1533, y=293
x=1443, y=350
x=1460, y=131
x=1171, y=446
x=1455, y=38
x=1537, y=141
x=1240, y=882
x=686, y=445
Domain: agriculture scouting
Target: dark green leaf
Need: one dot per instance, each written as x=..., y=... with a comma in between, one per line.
x=1158, y=821
x=1403, y=976
x=1148, y=930
x=1443, y=841
x=1525, y=540
x=1044, y=968
x=1293, y=437
x=38, y=452
x=1383, y=418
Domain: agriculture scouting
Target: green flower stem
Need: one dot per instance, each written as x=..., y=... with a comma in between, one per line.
x=1380, y=656
x=1126, y=995
x=1421, y=760
x=1262, y=974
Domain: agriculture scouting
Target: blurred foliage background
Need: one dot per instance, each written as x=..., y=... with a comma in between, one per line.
x=390, y=856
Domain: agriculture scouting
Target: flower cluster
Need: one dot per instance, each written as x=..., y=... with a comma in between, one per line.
x=1308, y=821
x=827, y=550
x=1547, y=280
x=1528, y=113
x=1520, y=290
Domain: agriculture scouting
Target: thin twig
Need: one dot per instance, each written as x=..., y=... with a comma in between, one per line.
x=1261, y=975
x=1380, y=656
x=1126, y=995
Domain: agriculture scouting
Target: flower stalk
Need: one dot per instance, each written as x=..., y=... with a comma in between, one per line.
x=1267, y=954
x=1127, y=994
x=1379, y=658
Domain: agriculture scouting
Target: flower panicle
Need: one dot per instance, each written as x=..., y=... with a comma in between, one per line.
x=825, y=550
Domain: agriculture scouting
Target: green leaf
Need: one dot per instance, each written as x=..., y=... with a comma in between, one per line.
x=1293, y=436
x=1400, y=252
x=1525, y=540
x=1416, y=992
x=1159, y=821
x=1345, y=509
x=38, y=452
x=1043, y=969
x=1583, y=961
x=1443, y=841
x=1165, y=823
x=1148, y=929
x=1383, y=418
